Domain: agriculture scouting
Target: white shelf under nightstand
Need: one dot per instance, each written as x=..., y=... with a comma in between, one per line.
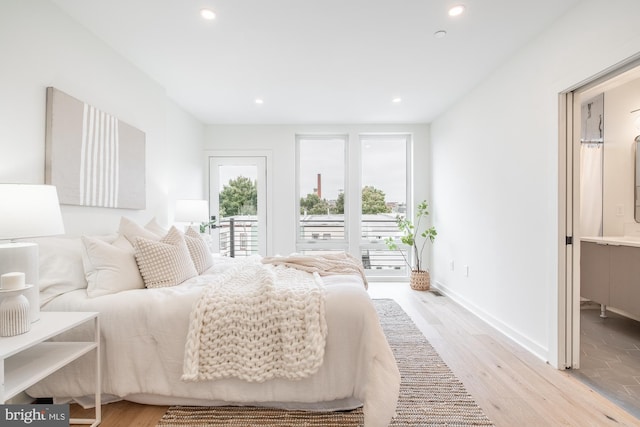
x=28, y=358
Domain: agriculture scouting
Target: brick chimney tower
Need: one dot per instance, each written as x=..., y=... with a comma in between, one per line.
x=320, y=185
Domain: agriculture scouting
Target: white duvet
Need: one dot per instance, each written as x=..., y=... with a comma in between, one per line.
x=143, y=339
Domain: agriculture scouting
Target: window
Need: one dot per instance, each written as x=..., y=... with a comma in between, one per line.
x=321, y=171
x=336, y=214
x=385, y=186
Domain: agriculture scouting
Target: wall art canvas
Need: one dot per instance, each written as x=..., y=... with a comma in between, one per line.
x=93, y=158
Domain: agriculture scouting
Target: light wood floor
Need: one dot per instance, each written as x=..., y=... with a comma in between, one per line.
x=513, y=387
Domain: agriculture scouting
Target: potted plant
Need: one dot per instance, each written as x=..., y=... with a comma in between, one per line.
x=410, y=233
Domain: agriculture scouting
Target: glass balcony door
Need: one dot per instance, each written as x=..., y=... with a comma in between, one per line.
x=385, y=185
x=238, y=199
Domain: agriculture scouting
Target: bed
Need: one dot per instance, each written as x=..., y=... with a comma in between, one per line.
x=144, y=334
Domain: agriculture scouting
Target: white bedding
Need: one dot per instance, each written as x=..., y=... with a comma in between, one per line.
x=144, y=335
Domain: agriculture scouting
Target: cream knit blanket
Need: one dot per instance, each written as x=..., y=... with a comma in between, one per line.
x=324, y=265
x=256, y=323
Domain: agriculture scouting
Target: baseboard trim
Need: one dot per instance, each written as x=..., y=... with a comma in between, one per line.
x=532, y=347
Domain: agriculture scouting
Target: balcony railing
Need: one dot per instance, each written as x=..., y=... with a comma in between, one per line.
x=376, y=257
x=238, y=236
x=328, y=227
x=322, y=227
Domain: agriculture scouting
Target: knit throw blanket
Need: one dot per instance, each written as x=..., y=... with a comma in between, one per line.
x=324, y=265
x=256, y=323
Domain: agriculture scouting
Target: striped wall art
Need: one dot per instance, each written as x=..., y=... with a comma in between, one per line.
x=93, y=158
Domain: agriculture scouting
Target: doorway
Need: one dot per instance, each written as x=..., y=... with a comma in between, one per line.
x=600, y=201
x=238, y=200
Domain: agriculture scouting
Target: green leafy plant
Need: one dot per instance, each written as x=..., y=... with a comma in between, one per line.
x=410, y=234
x=211, y=224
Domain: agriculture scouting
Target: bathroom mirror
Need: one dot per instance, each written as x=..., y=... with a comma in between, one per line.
x=637, y=181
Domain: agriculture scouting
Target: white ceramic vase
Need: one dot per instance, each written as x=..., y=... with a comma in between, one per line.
x=14, y=315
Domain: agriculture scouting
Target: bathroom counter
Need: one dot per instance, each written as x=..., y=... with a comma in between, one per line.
x=613, y=240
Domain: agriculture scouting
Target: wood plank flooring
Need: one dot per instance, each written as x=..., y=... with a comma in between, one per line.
x=513, y=387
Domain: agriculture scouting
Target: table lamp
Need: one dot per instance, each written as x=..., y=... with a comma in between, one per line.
x=27, y=211
x=192, y=211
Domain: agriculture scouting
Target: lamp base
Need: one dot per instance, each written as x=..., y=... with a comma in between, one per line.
x=14, y=315
x=23, y=256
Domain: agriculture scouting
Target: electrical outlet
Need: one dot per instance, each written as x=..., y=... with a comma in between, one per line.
x=466, y=271
x=451, y=265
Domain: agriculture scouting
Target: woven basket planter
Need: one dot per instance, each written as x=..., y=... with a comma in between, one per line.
x=420, y=280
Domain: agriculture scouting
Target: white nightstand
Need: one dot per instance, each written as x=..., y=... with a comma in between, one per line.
x=27, y=358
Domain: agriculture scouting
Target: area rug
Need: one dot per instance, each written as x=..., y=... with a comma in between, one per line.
x=430, y=394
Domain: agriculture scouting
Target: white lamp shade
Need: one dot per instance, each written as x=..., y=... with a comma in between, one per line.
x=192, y=210
x=29, y=211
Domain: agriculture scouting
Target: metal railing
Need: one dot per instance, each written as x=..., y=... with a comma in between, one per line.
x=327, y=227
x=378, y=227
x=384, y=260
x=238, y=236
x=321, y=229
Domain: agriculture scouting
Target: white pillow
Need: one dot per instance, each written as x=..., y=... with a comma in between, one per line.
x=156, y=228
x=109, y=268
x=130, y=230
x=166, y=262
x=199, y=250
x=60, y=266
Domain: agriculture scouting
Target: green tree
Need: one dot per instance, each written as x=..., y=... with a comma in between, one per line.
x=313, y=205
x=239, y=197
x=373, y=201
x=340, y=204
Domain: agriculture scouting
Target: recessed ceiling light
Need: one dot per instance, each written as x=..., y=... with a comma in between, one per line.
x=440, y=34
x=208, y=14
x=396, y=100
x=259, y=101
x=456, y=10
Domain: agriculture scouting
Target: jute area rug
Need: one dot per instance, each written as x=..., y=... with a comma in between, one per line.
x=430, y=394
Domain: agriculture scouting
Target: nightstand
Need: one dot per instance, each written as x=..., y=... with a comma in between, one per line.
x=27, y=358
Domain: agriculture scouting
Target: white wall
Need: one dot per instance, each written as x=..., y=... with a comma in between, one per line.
x=619, y=153
x=280, y=141
x=185, y=138
x=495, y=173
x=40, y=46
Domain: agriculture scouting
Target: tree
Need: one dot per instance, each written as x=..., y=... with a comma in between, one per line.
x=313, y=205
x=340, y=204
x=373, y=201
x=239, y=197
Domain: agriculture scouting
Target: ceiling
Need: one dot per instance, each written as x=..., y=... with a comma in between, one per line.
x=315, y=61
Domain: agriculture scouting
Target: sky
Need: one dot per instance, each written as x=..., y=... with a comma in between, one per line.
x=229, y=172
x=383, y=166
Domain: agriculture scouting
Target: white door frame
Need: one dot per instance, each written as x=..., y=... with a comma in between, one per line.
x=565, y=231
x=569, y=218
x=264, y=189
